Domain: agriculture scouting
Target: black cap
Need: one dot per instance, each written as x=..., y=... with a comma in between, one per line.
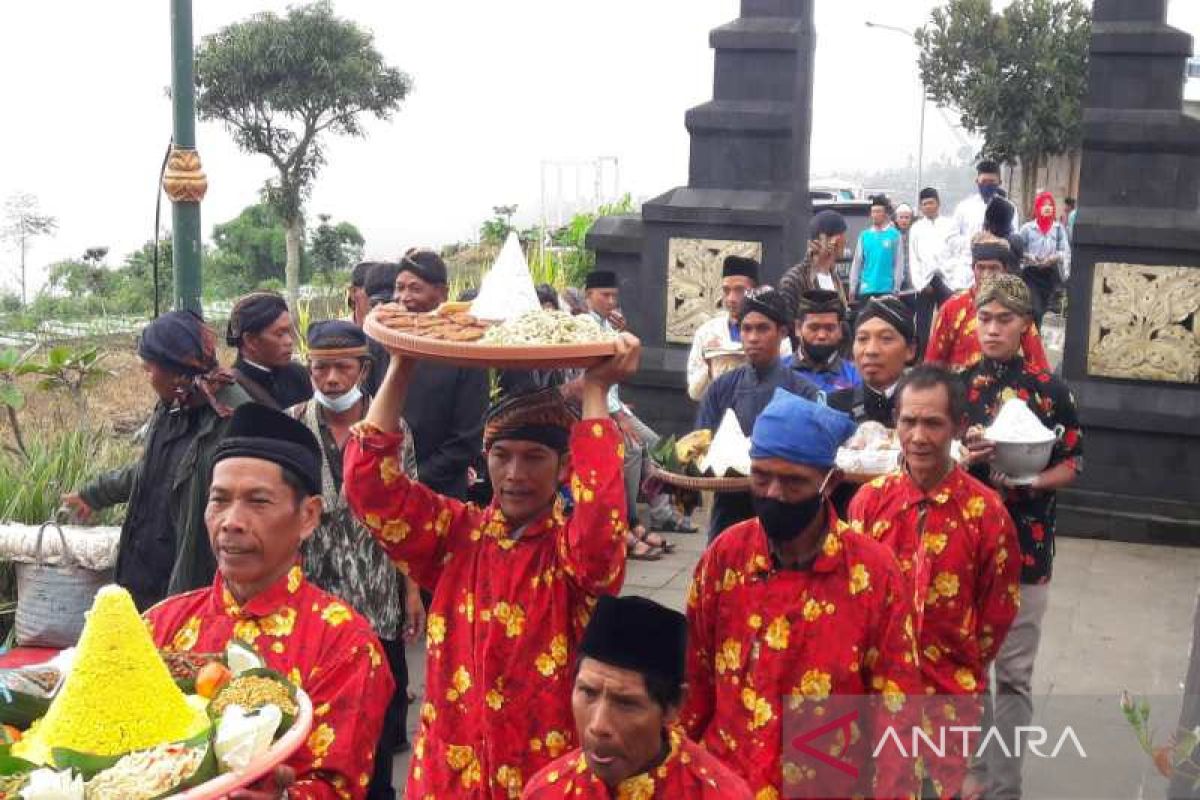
x=638, y=634
x=826, y=223
x=740, y=266
x=380, y=284
x=252, y=314
x=998, y=217
x=256, y=431
x=426, y=265
x=600, y=279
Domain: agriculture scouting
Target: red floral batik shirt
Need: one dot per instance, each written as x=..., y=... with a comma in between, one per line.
x=509, y=608
x=689, y=772
x=765, y=643
x=958, y=549
x=317, y=641
x=954, y=340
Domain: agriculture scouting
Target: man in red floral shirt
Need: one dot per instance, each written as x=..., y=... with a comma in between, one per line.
x=513, y=584
x=264, y=501
x=958, y=550
x=954, y=341
x=789, y=612
x=1004, y=310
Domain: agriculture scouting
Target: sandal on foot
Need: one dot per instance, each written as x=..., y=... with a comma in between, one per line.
x=643, y=535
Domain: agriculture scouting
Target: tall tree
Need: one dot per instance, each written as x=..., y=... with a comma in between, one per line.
x=279, y=83
x=1017, y=77
x=24, y=222
x=334, y=247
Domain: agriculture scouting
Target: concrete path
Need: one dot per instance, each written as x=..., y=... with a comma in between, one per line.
x=1120, y=617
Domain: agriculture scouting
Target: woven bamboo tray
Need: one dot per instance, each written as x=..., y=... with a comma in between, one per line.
x=701, y=484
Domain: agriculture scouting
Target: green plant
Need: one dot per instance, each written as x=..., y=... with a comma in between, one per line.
x=72, y=370
x=30, y=486
x=1175, y=758
x=14, y=364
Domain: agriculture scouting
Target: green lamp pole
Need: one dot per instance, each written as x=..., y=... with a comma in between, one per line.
x=184, y=181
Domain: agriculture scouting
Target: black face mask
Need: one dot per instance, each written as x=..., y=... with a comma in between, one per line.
x=819, y=352
x=782, y=521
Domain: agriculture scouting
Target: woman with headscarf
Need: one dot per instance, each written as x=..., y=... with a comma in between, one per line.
x=164, y=543
x=1047, y=259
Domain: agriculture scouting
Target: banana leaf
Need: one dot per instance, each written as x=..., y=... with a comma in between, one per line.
x=204, y=773
x=89, y=765
x=664, y=455
x=11, y=765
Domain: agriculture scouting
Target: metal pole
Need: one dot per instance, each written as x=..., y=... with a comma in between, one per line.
x=184, y=181
x=921, y=144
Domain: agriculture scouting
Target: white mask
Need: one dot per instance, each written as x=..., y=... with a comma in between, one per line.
x=340, y=404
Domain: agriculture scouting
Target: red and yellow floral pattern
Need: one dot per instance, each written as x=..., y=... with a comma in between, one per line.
x=509, y=608
x=688, y=772
x=764, y=642
x=954, y=340
x=340, y=666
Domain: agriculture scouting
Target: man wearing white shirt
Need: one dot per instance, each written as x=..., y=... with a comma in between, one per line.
x=968, y=221
x=931, y=261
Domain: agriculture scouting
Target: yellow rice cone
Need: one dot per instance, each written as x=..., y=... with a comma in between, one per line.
x=119, y=696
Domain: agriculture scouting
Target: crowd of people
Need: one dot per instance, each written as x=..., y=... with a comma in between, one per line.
x=327, y=512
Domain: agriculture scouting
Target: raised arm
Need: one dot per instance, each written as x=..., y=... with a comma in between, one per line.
x=592, y=548
x=413, y=524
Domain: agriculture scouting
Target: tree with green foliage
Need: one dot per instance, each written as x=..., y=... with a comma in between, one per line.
x=24, y=222
x=1017, y=77
x=254, y=245
x=279, y=83
x=495, y=230
x=334, y=248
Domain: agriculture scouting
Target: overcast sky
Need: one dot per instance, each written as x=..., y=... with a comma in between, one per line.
x=498, y=88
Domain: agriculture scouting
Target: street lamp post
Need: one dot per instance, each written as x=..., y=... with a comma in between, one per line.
x=184, y=181
x=921, y=135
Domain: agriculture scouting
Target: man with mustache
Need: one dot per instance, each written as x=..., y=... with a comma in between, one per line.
x=628, y=690
x=790, y=611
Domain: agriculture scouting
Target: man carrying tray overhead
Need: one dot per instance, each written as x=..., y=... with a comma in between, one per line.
x=513, y=584
x=264, y=502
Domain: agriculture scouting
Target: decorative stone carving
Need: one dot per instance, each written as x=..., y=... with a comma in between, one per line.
x=184, y=180
x=694, y=281
x=1145, y=323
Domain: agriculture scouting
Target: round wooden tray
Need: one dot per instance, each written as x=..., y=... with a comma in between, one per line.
x=701, y=484
x=473, y=354
x=862, y=477
x=262, y=766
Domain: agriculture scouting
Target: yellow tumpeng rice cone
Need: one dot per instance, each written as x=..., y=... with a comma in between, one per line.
x=119, y=696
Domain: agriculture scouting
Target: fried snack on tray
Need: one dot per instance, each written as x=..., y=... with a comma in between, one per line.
x=448, y=323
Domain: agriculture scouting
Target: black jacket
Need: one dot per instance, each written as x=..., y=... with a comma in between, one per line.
x=445, y=409
x=278, y=388
x=863, y=403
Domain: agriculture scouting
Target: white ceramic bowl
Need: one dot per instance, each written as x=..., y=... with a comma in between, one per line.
x=1023, y=461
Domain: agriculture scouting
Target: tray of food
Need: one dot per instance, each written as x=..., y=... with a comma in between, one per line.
x=123, y=721
x=704, y=462
x=532, y=340
x=874, y=451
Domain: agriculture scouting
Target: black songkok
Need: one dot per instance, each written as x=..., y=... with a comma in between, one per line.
x=600, y=279
x=821, y=301
x=256, y=431
x=736, y=266
x=426, y=265
x=252, y=314
x=541, y=416
x=769, y=302
x=180, y=342
x=827, y=223
x=891, y=310
x=637, y=634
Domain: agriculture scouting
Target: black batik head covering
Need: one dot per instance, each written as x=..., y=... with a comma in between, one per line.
x=891, y=310
x=540, y=416
x=264, y=433
x=181, y=343
x=637, y=634
x=252, y=314
x=821, y=301
x=769, y=302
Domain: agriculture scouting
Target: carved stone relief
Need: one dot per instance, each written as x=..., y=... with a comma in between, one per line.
x=694, y=281
x=1145, y=323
